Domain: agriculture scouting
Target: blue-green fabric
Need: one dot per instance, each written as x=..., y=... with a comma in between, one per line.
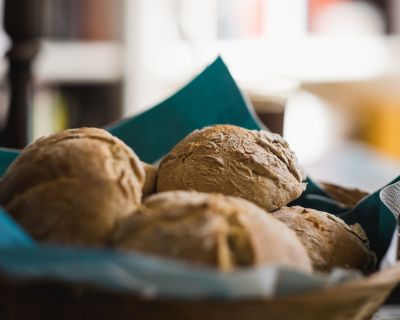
x=7, y=156
x=211, y=98
x=11, y=234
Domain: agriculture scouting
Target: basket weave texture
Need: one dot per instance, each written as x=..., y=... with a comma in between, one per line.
x=23, y=299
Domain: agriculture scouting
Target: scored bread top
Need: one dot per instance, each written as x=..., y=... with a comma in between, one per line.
x=254, y=165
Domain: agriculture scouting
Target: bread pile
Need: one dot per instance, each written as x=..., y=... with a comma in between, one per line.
x=220, y=198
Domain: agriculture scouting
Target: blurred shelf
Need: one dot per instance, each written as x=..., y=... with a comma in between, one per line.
x=310, y=60
x=317, y=59
x=79, y=62
x=76, y=62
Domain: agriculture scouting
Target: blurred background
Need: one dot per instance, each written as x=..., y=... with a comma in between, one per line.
x=325, y=73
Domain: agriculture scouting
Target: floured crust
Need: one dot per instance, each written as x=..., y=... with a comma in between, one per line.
x=71, y=187
x=150, y=182
x=210, y=229
x=254, y=165
x=330, y=242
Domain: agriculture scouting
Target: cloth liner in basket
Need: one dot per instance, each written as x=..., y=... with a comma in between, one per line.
x=211, y=98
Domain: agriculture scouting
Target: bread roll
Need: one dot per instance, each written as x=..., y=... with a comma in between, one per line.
x=211, y=229
x=347, y=197
x=150, y=182
x=254, y=165
x=330, y=242
x=71, y=187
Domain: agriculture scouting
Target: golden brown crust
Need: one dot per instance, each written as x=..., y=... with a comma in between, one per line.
x=150, y=182
x=211, y=229
x=330, y=242
x=254, y=165
x=70, y=187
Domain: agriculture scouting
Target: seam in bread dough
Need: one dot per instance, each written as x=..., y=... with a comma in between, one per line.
x=52, y=220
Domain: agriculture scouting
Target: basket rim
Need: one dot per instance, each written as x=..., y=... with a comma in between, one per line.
x=384, y=280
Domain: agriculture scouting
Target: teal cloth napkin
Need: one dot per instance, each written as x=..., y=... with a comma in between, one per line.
x=211, y=98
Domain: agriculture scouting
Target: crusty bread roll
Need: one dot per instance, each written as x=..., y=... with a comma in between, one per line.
x=211, y=229
x=347, y=197
x=254, y=165
x=70, y=187
x=330, y=242
x=150, y=182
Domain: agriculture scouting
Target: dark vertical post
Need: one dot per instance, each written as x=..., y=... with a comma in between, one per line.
x=23, y=23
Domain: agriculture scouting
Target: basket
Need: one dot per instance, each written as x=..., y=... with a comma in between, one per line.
x=48, y=299
x=41, y=299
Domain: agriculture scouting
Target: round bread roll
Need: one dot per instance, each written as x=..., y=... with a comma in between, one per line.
x=150, y=182
x=211, y=229
x=72, y=186
x=330, y=242
x=254, y=165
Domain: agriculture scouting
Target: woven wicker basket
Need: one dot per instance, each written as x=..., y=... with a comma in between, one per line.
x=52, y=300
x=43, y=299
